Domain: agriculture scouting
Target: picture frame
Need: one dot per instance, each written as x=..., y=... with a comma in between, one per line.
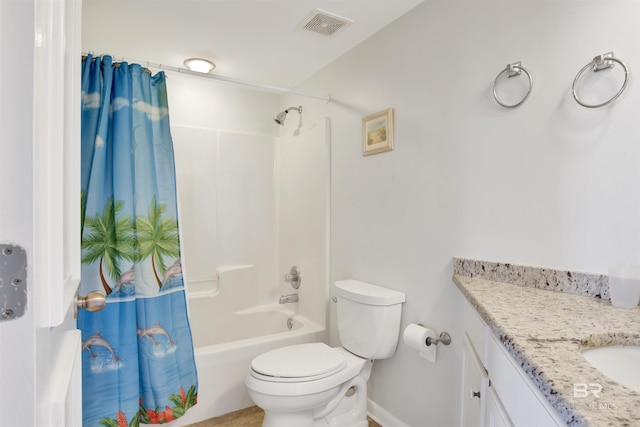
x=377, y=132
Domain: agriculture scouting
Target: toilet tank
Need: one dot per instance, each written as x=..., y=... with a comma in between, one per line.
x=368, y=318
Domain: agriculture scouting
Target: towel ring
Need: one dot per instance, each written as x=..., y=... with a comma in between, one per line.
x=512, y=70
x=599, y=63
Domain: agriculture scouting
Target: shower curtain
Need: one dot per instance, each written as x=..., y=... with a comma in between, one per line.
x=137, y=353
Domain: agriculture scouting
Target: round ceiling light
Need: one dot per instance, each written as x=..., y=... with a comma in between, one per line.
x=199, y=65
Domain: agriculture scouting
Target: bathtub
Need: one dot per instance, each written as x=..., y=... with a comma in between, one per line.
x=227, y=339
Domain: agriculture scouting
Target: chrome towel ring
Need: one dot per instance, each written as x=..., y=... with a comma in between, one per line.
x=512, y=70
x=599, y=63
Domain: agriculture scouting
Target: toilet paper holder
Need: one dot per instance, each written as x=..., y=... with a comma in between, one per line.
x=444, y=339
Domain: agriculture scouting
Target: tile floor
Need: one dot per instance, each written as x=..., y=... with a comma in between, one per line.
x=249, y=417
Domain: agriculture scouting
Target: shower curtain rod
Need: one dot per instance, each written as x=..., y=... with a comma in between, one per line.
x=164, y=67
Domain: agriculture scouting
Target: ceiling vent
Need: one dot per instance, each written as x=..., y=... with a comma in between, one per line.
x=325, y=23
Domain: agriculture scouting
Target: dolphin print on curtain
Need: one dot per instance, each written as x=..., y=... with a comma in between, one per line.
x=137, y=353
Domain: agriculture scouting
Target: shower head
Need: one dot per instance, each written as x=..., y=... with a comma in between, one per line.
x=280, y=117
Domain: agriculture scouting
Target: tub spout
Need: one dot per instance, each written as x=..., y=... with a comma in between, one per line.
x=288, y=298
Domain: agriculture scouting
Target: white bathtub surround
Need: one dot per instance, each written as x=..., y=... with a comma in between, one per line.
x=223, y=179
x=303, y=176
x=546, y=331
x=252, y=192
x=572, y=282
x=233, y=279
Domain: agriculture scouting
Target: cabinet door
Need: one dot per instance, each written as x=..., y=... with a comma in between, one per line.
x=474, y=386
x=521, y=398
x=496, y=415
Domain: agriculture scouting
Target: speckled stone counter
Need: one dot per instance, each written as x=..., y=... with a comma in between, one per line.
x=546, y=331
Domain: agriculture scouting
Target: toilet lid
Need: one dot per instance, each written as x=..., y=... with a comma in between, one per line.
x=302, y=361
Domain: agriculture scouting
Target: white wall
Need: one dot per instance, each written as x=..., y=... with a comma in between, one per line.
x=549, y=183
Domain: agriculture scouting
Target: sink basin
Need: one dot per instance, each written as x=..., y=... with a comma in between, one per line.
x=621, y=363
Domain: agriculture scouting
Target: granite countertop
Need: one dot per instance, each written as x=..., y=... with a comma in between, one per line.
x=546, y=331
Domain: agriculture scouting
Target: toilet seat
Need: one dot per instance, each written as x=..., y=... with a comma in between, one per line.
x=298, y=363
x=278, y=386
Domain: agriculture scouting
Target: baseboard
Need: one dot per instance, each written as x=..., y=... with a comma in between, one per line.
x=382, y=416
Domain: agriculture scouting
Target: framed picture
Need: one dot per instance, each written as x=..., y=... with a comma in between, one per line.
x=377, y=132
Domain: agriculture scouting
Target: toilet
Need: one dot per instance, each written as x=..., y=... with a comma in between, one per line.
x=314, y=385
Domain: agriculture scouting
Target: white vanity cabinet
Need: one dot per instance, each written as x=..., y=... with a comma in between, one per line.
x=475, y=383
x=496, y=392
x=496, y=415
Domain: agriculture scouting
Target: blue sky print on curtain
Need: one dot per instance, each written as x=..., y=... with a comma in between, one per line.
x=137, y=353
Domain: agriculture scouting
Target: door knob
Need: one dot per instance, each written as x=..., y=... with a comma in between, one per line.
x=93, y=301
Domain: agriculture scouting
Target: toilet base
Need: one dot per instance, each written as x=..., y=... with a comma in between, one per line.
x=349, y=411
x=351, y=408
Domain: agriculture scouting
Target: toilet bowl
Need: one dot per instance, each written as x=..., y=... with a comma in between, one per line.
x=314, y=385
x=303, y=386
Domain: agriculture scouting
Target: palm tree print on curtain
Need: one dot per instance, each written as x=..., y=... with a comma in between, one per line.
x=158, y=238
x=109, y=240
x=137, y=353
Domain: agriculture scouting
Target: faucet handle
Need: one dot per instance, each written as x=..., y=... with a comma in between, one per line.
x=294, y=277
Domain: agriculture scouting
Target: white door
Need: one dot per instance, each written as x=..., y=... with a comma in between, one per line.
x=39, y=209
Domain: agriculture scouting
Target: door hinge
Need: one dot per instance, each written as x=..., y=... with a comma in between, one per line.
x=13, y=282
